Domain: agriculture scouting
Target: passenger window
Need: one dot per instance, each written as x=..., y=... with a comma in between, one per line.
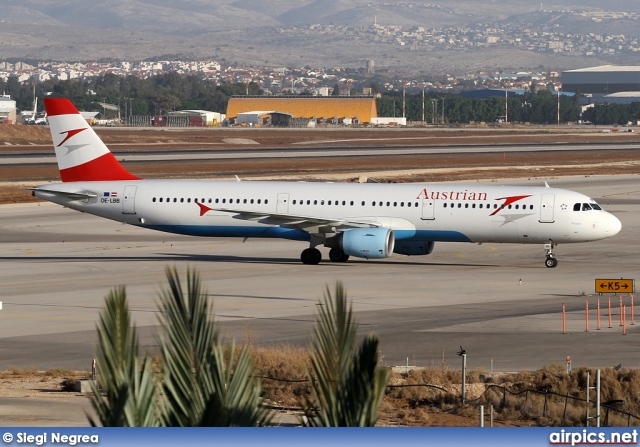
x=466, y=205
x=459, y=205
x=217, y=200
x=259, y=201
x=395, y=203
x=160, y=199
x=153, y=200
x=473, y=206
x=315, y=202
x=373, y=203
x=322, y=202
x=294, y=202
x=530, y=207
x=351, y=203
x=244, y=201
x=444, y=205
x=266, y=201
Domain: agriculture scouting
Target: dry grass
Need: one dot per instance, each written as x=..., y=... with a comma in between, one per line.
x=431, y=396
x=422, y=396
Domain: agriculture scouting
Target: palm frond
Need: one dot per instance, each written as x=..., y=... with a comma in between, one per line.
x=201, y=386
x=347, y=385
x=130, y=393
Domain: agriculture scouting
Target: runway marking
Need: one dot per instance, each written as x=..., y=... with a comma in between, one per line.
x=33, y=317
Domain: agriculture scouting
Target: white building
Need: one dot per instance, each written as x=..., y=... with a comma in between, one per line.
x=7, y=110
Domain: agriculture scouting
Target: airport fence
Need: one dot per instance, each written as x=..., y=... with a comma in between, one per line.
x=540, y=406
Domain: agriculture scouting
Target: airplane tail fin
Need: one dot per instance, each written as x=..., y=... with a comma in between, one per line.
x=81, y=154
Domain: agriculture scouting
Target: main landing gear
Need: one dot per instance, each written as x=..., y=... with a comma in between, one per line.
x=550, y=262
x=311, y=256
x=337, y=255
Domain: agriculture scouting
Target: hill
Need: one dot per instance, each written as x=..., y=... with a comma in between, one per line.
x=249, y=32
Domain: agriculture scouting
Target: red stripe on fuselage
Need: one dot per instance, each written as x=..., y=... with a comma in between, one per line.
x=102, y=168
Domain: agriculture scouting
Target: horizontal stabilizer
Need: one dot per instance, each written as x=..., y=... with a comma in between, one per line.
x=80, y=195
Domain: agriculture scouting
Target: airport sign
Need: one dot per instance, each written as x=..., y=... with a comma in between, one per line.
x=615, y=285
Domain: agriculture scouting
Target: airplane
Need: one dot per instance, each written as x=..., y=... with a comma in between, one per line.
x=364, y=220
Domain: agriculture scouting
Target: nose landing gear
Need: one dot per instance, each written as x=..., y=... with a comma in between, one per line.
x=551, y=261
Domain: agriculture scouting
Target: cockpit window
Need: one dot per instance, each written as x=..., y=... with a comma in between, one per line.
x=586, y=206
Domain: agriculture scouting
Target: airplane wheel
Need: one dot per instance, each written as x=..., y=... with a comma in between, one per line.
x=311, y=256
x=337, y=255
x=551, y=262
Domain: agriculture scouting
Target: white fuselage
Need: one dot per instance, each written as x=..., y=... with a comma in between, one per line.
x=425, y=212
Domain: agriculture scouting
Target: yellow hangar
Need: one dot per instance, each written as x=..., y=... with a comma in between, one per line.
x=299, y=110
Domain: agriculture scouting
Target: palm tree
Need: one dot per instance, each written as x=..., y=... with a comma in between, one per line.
x=204, y=383
x=131, y=393
x=347, y=385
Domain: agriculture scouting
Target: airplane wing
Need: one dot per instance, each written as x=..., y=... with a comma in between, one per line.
x=80, y=195
x=309, y=224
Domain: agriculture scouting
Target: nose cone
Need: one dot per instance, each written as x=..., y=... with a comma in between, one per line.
x=612, y=225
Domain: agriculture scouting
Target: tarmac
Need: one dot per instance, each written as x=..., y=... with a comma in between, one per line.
x=499, y=302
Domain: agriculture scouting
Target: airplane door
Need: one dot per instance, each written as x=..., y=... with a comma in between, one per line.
x=428, y=209
x=546, y=207
x=128, y=200
x=283, y=203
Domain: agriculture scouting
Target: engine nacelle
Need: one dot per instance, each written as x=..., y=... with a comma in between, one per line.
x=367, y=243
x=414, y=248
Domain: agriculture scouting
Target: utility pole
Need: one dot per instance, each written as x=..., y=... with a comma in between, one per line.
x=506, y=106
x=403, y=100
x=423, y=104
x=558, y=106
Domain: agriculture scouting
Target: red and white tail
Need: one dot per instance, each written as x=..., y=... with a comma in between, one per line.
x=81, y=154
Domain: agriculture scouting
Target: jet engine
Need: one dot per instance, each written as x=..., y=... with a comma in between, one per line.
x=367, y=242
x=414, y=248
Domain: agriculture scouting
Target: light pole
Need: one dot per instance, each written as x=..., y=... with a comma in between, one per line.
x=422, y=104
x=558, y=106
